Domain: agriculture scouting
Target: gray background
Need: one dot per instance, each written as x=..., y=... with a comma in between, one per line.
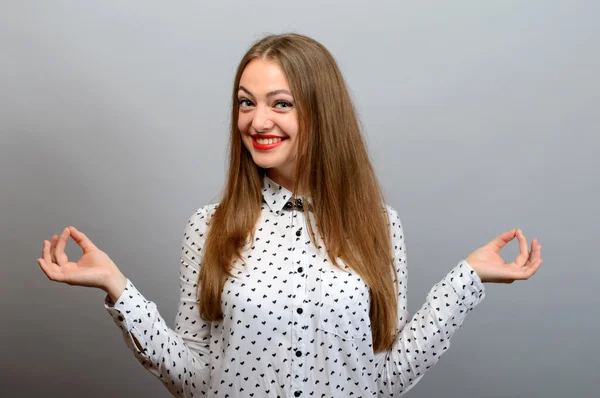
x=480, y=117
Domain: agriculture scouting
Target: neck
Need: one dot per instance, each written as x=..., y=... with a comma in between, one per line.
x=284, y=179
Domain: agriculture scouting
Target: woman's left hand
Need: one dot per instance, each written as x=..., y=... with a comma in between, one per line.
x=490, y=267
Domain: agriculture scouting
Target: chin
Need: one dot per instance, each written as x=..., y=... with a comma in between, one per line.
x=265, y=164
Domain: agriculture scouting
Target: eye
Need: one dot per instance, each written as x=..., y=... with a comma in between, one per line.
x=244, y=102
x=283, y=104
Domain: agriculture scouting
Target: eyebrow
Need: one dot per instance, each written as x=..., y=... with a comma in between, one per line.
x=269, y=94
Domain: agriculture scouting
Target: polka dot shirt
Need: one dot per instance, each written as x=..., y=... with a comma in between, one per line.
x=294, y=325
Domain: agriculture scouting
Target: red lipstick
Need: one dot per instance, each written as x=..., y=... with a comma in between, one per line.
x=266, y=147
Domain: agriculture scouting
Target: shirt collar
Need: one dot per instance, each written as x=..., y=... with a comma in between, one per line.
x=276, y=196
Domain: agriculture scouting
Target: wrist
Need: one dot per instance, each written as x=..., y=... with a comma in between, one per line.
x=472, y=264
x=115, y=285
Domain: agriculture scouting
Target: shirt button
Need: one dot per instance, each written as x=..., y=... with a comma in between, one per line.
x=297, y=393
x=299, y=310
x=298, y=233
x=298, y=353
x=300, y=269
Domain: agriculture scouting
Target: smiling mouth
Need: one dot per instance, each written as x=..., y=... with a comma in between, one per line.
x=264, y=144
x=268, y=141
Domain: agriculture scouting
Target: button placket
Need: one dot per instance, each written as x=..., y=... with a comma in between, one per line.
x=299, y=320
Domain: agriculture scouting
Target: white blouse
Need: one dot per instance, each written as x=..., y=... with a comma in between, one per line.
x=294, y=325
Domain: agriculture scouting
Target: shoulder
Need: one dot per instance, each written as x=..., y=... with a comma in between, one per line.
x=395, y=225
x=393, y=215
x=200, y=218
x=205, y=212
x=194, y=234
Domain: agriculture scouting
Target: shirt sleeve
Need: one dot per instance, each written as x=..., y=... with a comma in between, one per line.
x=422, y=339
x=179, y=357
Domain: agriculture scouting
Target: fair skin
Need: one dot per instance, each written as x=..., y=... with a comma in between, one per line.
x=267, y=107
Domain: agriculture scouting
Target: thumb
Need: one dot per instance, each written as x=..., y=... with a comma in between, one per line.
x=501, y=240
x=82, y=240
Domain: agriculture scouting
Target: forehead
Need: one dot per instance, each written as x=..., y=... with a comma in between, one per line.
x=262, y=76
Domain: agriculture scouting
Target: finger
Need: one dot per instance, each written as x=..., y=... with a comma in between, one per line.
x=53, y=247
x=46, y=253
x=529, y=271
x=536, y=251
x=44, y=266
x=523, y=256
x=501, y=240
x=50, y=270
x=82, y=240
x=61, y=257
x=538, y=256
x=535, y=260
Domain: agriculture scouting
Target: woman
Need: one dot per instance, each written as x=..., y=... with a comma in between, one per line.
x=294, y=284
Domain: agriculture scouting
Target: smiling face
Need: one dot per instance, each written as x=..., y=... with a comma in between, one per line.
x=268, y=120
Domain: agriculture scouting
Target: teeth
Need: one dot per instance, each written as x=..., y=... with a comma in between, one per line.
x=268, y=141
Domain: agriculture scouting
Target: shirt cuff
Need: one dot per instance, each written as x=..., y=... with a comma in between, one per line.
x=467, y=284
x=128, y=309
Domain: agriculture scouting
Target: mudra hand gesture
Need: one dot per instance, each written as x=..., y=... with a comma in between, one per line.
x=96, y=269
x=490, y=267
x=93, y=269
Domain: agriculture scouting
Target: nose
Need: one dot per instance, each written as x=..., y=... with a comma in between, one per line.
x=261, y=120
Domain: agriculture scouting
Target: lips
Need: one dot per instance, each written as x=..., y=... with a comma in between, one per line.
x=267, y=136
x=266, y=147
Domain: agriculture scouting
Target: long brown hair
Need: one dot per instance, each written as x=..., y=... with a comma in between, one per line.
x=351, y=217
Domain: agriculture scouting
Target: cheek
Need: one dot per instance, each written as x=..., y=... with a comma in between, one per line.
x=243, y=123
x=290, y=127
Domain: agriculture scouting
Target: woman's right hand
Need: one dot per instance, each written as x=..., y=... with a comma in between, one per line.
x=93, y=269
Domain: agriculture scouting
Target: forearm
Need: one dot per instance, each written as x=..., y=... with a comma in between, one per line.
x=422, y=340
x=182, y=364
